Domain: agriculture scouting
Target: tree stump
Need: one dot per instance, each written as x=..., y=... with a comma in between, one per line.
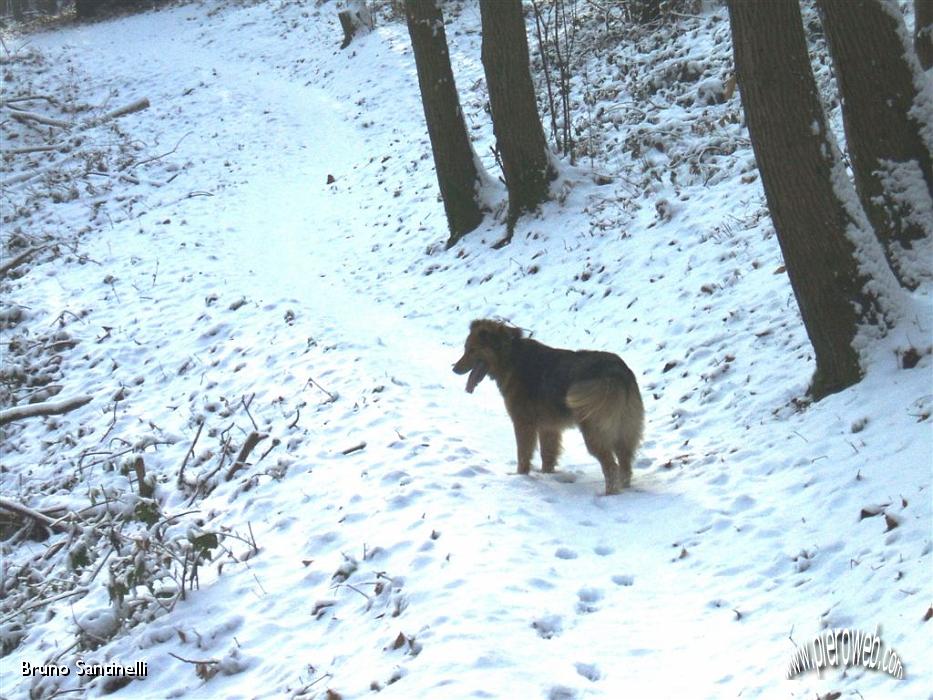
x=355, y=18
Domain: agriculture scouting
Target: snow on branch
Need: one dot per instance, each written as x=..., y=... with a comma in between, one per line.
x=47, y=408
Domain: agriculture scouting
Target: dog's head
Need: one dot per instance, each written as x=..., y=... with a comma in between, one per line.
x=485, y=349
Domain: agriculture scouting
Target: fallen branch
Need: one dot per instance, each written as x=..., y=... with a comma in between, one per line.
x=40, y=603
x=31, y=149
x=19, y=259
x=252, y=440
x=35, y=515
x=22, y=115
x=137, y=106
x=47, y=408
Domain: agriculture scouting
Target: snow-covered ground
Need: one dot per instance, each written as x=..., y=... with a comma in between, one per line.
x=273, y=262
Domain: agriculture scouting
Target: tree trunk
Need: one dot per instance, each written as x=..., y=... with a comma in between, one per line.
x=923, y=32
x=878, y=82
x=801, y=171
x=85, y=9
x=458, y=172
x=515, y=120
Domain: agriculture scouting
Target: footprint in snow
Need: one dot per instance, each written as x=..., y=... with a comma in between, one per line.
x=565, y=553
x=561, y=692
x=603, y=550
x=588, y=598
x=623, y=580
x=548, y=626
x=589, y=671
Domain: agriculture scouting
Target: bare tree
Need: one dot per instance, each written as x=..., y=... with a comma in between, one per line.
x=458, y=170
x=834, y=263
x=879, y=80
x=516, y=122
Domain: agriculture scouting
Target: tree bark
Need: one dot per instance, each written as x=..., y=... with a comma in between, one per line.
x=923, y=32
x=801, y=173
x=879, y=82
x=515, y=119
x=458, y=170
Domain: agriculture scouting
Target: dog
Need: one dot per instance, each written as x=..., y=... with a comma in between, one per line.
x=547, y=390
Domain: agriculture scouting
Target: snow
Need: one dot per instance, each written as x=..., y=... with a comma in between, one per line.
x=233, y=285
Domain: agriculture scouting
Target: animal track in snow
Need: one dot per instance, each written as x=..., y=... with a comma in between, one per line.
x=588, y=597
x=589, y=671
x=548, y=626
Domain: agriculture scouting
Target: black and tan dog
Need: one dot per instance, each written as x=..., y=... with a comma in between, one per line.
x=547, y=390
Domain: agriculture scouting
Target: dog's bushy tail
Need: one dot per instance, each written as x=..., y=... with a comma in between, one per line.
x=611, y=408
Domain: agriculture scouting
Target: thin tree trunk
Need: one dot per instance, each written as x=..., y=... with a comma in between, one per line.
x=458, y=172
x=801, y=173
x=515, y=119
x=923, y=32
x=879, y=82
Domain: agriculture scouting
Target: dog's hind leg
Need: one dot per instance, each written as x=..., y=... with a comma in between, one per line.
x=601, y=451
x=624, y=454
x=550, y=448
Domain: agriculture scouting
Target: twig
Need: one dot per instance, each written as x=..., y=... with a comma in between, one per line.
x=192, y=661
x=48, y=408
x=297, y=416
x=246, y=405
x=331, y=396
x=159, y=157
x=181, y=472
x=355, y=448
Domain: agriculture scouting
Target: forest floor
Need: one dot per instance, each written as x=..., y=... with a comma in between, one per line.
x=259, y=254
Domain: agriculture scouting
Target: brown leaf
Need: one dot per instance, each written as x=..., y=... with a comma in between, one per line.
x=891, y=522
x=400, y=641
x=928, y=614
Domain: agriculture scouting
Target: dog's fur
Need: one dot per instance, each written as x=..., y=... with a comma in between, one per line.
x=548, y=389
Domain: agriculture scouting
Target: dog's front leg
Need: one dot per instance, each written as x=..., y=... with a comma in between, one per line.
x=525, y=437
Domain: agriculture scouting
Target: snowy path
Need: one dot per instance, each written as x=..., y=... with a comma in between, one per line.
x=500, y=586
